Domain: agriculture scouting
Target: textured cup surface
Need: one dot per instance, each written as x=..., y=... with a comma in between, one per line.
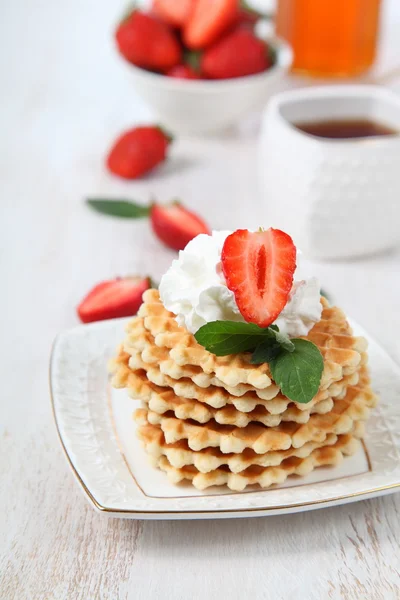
x=337, y=198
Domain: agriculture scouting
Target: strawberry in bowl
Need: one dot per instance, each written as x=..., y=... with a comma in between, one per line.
x=199, y=64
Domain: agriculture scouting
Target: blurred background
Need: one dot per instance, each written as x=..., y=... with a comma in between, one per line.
x=67, y=95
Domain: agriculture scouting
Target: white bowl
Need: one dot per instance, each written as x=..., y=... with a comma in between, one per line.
x=196, y=107
x=336, y=197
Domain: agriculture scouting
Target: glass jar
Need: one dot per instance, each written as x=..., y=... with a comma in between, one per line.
x=330, y=38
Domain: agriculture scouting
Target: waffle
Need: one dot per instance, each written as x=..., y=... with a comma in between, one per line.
x=180, y=455
x=228, y=438
x=263, y=476
x=221, y=420
x=145, y=355
x=165, y=368
x=162, y=400
x=183, y=397
x=156, y=330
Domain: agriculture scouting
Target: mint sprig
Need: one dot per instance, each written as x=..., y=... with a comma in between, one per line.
x=296, y=364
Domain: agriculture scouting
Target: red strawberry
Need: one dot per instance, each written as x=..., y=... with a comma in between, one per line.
x=174, y=12
x=237, y=54
x=208, y=20
x=247, y=17
x=183, y=72
x=148, y=42
x=138, y=151
x=259, y=269
x=113, y=299
x=175, y=225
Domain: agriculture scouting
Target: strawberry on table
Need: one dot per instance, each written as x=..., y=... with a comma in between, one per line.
x=173, y=224
x=259, y=268
x=138, y=151
x=148, y=42
x=174, y=12
x=208, y=20
x=183, y=72
x=237, y=54
x=112, y=299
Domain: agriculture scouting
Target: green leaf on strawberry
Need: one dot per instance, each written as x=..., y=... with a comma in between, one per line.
x=193, y=59
x=119, y=208
x=173, y=224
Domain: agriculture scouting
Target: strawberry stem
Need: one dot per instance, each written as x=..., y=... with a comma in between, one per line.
x=153, y=284
x=128, y=12
x=193, y=59
x=272, y=54
x=168, y=136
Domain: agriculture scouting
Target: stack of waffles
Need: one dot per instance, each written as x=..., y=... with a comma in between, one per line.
x=221, y=420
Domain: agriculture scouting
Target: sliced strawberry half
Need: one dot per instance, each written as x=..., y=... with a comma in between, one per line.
x=112, y=299
x=259, y=269
x=175, y=225
x=208, y=20
x=174, y=12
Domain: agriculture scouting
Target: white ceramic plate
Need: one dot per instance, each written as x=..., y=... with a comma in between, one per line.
x=97, y=432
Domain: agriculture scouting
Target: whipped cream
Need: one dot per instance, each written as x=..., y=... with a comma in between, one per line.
x=194, y=289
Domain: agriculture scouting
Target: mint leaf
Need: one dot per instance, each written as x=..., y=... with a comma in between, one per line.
x=119, y=208
x=298, y=373
x=230, y=337
x=265, y=352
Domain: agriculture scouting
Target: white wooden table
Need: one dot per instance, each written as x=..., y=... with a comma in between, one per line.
x=64, y=96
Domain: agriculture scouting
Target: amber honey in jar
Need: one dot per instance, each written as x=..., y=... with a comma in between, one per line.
x=330, y=38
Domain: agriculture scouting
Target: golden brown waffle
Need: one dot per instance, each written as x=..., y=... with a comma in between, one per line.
x=162, y=400
x=180, y=455
x=159, y=365
x=228, y=438
x=155, y=330
x=221, y=420
x=165, y=369
x=218, y=398
x=231, y=371
x=258, y=475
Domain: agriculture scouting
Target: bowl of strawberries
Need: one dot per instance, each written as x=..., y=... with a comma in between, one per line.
x=200, y=64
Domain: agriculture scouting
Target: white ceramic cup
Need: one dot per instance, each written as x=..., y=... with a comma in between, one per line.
x=337, y=197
